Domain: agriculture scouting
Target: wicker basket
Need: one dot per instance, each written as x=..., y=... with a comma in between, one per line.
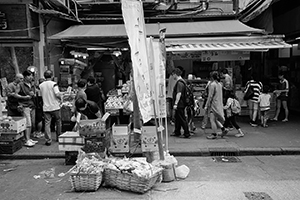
x=129, y=182
x=85, y=182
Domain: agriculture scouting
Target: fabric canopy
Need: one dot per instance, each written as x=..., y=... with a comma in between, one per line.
x=203, y=28
x=250, y=43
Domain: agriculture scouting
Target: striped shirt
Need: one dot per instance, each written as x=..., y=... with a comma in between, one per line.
x=257, y=87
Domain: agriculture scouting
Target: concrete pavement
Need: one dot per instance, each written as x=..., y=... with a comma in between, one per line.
x=273, y=177
x=278, y=139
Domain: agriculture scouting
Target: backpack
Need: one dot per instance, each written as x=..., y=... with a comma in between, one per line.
x=188, y=95
x=235, y=107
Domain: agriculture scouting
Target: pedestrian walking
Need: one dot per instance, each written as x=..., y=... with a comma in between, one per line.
x=190, y=110
x=282, y=97
x=256, y=86
x=51, y=105
x=179, y=106
x=232, y=109
x=227, y=84
x=264, y=104
x=27, y=105
x=171, y=83
x=206, y=114
x=214, y=106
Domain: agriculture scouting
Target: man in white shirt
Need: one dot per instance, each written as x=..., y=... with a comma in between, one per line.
x=51, y=105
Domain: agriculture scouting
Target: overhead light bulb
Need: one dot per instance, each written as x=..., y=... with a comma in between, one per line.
x=62, y=62
x=75, y=55
x=84, y=57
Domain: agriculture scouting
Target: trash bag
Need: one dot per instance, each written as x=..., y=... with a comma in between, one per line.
x=182, y=171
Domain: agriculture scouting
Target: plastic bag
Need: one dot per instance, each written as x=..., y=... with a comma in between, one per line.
x=182, y=171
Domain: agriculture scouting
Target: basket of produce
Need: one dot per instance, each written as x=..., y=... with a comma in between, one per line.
x=92, y=127
x=87, y=175
x=131, y=175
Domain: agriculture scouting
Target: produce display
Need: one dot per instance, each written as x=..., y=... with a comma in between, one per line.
x=125, y=87
x=138, y=167
x=114, y=102
x=93, y=146
x=89, y=166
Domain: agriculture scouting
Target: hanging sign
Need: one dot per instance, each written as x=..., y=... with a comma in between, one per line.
x=157, y=71
x=208, y=56
x=133, y=16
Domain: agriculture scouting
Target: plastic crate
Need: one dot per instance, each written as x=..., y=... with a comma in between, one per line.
x=10, y=147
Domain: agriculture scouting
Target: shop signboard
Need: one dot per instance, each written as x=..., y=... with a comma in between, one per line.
x=157, y=71
x=185, y=56
x=209, y=56
x=133, y=16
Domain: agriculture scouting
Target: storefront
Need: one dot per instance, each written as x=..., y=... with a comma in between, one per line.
x=199, y=47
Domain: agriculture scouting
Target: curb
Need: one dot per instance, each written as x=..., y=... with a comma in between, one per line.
x=202, y=152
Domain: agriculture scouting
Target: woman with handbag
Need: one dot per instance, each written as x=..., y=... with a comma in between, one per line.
x=252, y=92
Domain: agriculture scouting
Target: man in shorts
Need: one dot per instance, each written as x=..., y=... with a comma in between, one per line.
x=27, y=91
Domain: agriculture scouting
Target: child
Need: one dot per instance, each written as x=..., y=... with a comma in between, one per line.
x=231, y=115
x=264, y=104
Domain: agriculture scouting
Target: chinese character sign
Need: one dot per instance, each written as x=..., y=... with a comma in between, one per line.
x=133, y=16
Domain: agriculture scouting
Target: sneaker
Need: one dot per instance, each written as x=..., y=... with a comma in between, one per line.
x=28, y=143
x=239, y=135
x=224, y=132
x=253, y=124
x=274, y=119
x=33, y=141
x=39, y=135
x=185, y=136
x=285, y=120
x=174, y=134
x=212, y=136
x=47, y=143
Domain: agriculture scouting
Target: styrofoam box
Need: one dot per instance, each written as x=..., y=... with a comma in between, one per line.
x=70, y=141
x=149, y=139
x=17, y=125
x=120, y=129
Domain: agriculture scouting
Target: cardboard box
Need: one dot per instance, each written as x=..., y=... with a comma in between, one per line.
x=93, y=127
x=149, y=139
x=16, y=125
x=120, y=138
x=70, y=141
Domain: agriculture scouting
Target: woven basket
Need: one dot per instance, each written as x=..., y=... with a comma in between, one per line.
x=129, y=182
x=85, y=182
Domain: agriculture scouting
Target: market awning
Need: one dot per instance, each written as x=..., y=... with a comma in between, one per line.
x=250, y=43
x=203, y=28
